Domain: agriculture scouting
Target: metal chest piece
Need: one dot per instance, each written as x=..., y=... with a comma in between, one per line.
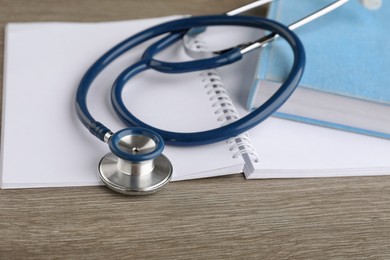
x=136, y=165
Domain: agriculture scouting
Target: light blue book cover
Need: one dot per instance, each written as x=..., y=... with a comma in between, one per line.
x=347, y=51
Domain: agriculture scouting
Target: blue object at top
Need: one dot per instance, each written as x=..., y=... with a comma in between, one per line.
x=348, y=50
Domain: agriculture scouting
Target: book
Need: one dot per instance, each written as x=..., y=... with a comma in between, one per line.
x=346, y=80
x=44, y=63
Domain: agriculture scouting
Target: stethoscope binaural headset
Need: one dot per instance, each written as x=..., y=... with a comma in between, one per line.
x=136, y=164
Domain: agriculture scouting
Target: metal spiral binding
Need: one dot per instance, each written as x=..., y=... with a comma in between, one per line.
x=241, y=144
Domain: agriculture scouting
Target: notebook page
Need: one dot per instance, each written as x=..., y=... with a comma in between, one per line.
x=43, y=142
x=311, y=151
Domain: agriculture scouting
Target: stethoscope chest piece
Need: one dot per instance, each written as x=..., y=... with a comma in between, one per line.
x=136, y=165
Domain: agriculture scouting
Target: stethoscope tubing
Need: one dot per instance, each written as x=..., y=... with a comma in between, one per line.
x=222, y=133
x=178, y=27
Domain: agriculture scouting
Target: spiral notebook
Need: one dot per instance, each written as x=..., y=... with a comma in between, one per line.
x=42, y=67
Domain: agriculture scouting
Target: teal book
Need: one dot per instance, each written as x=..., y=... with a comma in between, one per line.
x=346, y=83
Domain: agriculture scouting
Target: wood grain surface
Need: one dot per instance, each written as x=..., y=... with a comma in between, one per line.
x=217, y=218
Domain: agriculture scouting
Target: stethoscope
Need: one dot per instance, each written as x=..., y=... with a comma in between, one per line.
x=136, y=164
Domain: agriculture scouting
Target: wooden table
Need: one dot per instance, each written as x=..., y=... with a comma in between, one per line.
x=218, y=218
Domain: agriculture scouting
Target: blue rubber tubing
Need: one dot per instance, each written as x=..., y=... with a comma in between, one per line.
x=178, y=28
